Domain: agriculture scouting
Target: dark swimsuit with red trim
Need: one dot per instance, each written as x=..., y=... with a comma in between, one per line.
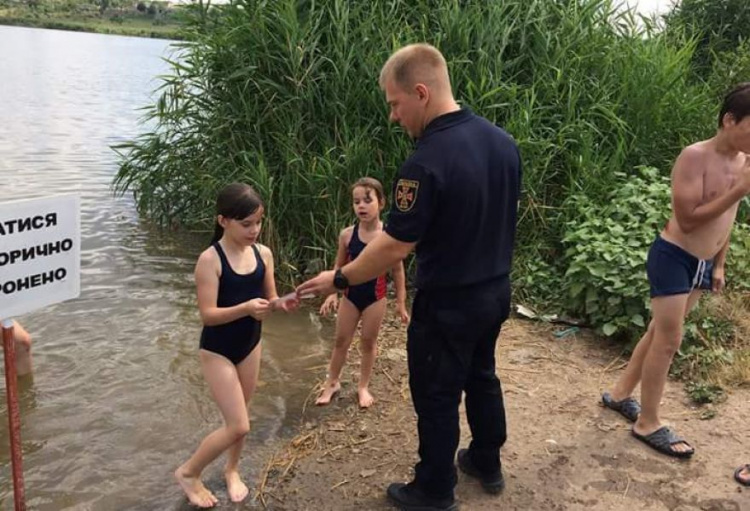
x=365, y=294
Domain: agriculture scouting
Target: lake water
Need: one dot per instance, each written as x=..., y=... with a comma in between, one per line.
x=117, y=400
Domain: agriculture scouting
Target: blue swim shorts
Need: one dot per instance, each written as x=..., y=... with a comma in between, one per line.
x=673, y=271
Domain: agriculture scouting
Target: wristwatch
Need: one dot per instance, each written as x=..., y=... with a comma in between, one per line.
x=339, y=280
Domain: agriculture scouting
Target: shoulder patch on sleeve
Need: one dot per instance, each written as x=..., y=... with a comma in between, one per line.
x=406, y=194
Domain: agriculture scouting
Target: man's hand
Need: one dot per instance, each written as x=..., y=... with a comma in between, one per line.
x=322, y=285
x=717, y=279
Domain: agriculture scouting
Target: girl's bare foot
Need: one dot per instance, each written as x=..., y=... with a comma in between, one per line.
x=236, y=489
x=365, y=398
x=326, y=395
x=197, y=494
x=210, y=496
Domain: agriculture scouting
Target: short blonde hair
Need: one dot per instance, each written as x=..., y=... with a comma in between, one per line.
x=416, y=63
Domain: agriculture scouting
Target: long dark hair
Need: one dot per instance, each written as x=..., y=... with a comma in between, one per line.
x=236, y=201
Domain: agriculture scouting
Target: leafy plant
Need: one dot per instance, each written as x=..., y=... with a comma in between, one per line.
x=697, y=363
x=537, y=283
x=738, y=259
x=606, y=249
x=703, y=393
x=712, y=342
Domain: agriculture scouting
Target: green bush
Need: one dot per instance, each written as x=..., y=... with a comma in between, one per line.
x=538, y=283
x=738, y=259
x=714, y=349
x=606, y=249
x=703, y=393
x=718, y=26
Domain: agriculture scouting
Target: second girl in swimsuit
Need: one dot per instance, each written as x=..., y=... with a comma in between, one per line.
x=365, y=301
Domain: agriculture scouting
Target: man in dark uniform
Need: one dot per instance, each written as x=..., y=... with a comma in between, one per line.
x=455, y=200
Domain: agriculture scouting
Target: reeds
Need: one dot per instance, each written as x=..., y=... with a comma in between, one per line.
x=284, y=95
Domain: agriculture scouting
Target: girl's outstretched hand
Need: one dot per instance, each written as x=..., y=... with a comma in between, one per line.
x=331, y=304
x=287, y=303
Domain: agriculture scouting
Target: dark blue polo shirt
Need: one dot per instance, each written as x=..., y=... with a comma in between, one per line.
x=456, y=196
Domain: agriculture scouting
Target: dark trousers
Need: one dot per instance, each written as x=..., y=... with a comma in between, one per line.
x=451, y=349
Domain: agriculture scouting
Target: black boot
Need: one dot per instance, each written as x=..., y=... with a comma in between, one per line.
x=492, y=483
x=408, y=497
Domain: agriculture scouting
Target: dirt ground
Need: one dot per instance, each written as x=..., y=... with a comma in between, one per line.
x=564, y=451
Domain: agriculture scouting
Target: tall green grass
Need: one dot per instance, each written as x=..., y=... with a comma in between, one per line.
x=284, y=95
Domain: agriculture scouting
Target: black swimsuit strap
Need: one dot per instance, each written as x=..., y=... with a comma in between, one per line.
x=355, y=233
x=258, y=258
x=225, y=261
x=222, y=256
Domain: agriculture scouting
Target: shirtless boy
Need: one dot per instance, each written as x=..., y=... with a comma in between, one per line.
x=709, y=179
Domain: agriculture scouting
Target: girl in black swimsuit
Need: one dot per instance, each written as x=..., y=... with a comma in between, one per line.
x=236, y=291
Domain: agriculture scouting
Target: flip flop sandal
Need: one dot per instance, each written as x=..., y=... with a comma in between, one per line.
x=662, y=440
x=739, y=479
x=628, y=407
